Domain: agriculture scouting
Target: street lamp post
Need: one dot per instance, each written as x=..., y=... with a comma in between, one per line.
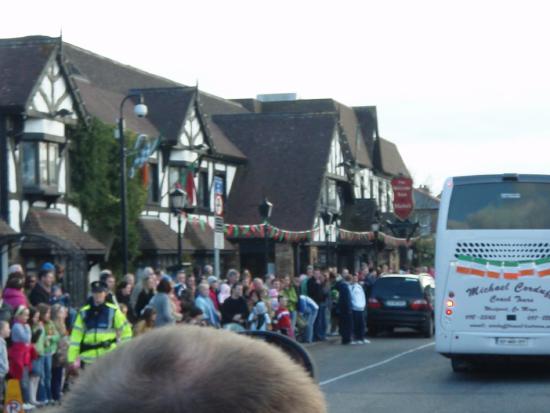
x=375, y=228
x=178, y=204
x=265, y=210
x=140, y=110
x=327, y=218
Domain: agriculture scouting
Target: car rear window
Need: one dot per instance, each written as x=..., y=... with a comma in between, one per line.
x=500, y=205
x=402, y=286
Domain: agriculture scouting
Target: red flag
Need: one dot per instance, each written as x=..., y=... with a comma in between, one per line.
x=190, y=188
x=145, y=175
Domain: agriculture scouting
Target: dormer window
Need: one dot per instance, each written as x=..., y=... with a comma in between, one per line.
x=39, y=163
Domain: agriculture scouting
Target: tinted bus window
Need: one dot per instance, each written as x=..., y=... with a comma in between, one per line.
x=502, y=205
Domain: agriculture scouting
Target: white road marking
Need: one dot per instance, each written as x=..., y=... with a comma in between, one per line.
x=372, y=366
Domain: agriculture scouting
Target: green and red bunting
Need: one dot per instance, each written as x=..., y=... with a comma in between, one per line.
x=281, y=235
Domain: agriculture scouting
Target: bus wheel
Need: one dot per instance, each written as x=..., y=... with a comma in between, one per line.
x=459, y=365
x=428, y=329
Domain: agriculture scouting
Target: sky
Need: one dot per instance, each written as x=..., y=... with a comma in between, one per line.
x=462, y=87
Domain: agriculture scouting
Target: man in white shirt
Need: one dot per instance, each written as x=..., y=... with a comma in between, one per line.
x=358, y=303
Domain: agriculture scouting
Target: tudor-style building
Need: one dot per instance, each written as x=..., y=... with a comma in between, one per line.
x=309, y=157
x=38, y=101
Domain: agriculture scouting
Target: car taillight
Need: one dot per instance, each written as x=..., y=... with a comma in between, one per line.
x=374, y=303
x=419, y=305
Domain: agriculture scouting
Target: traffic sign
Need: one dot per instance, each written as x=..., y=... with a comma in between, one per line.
x=218, y=205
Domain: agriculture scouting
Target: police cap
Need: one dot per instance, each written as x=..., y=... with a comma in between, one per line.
x=99, y=287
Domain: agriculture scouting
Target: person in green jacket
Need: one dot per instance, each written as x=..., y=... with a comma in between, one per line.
x=46, y=347
x=99, y=327
x=290, y=292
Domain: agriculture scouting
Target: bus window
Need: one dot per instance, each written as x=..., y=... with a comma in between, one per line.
x=502, y=205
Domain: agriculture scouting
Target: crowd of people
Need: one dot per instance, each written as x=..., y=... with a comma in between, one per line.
x=43, y=338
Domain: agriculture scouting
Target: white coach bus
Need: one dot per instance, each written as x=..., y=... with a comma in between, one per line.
x=493, y=268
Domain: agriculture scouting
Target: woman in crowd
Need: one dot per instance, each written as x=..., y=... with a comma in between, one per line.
x=246, y=281
x=30, y=282
x=123, y=296
x=188, y=296
x=146, y=322
x=14, y=293
x=162, y=304
x=146, y=294
x=224, y=294
x=59, y=317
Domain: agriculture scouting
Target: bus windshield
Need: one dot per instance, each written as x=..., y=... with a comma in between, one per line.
x=500, y=205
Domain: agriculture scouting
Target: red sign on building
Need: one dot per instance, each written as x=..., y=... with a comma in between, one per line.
x=403, y=204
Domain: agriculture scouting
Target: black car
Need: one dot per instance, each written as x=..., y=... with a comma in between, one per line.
x=402, y=300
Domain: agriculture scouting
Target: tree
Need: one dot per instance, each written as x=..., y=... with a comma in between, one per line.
x=95, y=187
x=425, y=251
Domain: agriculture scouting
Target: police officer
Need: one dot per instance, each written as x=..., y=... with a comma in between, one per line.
x=98, y=328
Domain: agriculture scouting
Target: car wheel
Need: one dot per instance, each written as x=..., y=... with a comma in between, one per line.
x=428, y=329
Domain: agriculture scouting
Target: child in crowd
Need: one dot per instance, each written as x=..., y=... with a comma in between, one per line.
x=259, y=318
x=146, y=322
x=4, y=363
x=51, y=341
x=38, y=338
x=128, y=327
x=59, y=360
x=282, y=318
x=21, y=352
x=58, y=297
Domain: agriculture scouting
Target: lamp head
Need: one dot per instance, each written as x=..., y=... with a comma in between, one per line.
x=265, y=209
x=140, y=110
x=178, y=200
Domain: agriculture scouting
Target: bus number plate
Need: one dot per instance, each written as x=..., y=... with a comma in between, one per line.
x=512, y=341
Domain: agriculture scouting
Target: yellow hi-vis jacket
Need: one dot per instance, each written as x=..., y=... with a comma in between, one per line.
x=96, y=331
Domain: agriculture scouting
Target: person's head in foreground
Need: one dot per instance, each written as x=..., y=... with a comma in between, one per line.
x=192, y=369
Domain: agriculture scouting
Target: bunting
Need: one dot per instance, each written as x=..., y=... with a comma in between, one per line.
x=282, y=235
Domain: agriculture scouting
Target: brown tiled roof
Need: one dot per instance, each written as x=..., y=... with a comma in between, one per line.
x=287, y=157
x=388, y=159
x=346, y=117
x=158, y=237
x=212, y=105
x=197, y=239
x=5, y=229
x=168, y=108
x=368, y=121
x=105, y=105
x=103, y=83
x=109, y=74
x=22, y=60
x=55, y=223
